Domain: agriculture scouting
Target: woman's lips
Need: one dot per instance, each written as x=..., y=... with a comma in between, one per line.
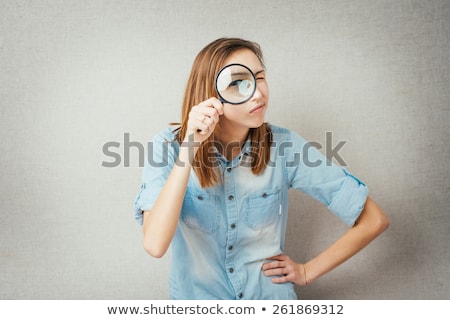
x=258, y=108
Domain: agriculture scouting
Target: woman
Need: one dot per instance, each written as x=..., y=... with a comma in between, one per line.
x=216, y=190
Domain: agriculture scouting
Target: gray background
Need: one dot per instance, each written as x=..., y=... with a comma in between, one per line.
x=75, y=75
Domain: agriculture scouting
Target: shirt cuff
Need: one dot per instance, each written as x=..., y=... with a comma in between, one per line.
x=350, y=200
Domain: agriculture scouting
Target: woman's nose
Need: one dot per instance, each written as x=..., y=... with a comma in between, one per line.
x=257, y=93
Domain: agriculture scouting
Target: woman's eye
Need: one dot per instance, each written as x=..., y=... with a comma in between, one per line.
x=235, y=83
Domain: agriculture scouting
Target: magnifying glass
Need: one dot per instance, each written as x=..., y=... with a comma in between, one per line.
x=235, y=84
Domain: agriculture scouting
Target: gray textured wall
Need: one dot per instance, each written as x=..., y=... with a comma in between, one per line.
x=75, y=75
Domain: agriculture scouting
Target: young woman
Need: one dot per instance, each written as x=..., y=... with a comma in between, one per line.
x=216, y=190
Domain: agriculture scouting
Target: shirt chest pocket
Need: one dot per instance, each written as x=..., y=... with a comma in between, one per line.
x=200, y=212
x=263, y=209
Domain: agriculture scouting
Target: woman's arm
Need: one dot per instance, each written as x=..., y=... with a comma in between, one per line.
x=160, y=223
x=371, y=222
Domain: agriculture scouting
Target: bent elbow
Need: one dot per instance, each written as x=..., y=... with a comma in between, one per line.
x=386, y=223
x=382, y=223
x=374, y=218
x=156, y=251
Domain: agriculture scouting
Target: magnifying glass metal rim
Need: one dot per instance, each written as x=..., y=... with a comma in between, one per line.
x=222, y=99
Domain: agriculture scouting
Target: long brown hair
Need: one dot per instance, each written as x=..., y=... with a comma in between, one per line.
x=200, y=86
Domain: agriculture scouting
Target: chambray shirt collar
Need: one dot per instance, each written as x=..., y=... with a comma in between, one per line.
x=236, y=161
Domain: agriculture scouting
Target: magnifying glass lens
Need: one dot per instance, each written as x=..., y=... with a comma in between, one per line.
x=235, y=84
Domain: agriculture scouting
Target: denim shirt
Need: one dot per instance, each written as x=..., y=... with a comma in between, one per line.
x=226, y=232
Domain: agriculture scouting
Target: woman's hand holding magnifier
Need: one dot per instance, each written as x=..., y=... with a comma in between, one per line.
x=203, y=118
x=235, y=84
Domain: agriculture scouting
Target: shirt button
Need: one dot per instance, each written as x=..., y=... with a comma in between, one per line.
x=231, y=270
x=264, y=195
x=229, y=169
x=200, y=198
x=230, y=197
x=230, y=247
x=240, y=295
x=233, y=225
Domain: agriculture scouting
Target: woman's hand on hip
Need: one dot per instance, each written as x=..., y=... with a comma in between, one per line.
x=284, y=269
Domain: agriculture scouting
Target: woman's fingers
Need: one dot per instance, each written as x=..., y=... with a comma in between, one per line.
x=279, y=257
x=283, y=269
x=204, y=117
x=213, y=104
x=202, y=122
x=277, y=267
x=205, y=114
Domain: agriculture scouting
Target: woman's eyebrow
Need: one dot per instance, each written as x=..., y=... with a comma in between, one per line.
x=246, y=73
x=240, y=74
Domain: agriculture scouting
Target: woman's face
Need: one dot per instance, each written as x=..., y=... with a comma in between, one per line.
x=251, y=113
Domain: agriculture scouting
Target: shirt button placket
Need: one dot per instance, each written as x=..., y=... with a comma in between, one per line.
x=232, y=213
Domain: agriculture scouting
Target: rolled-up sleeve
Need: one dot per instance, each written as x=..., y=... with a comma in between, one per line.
x=349, y=201
x=158, y=164
x=312, y=173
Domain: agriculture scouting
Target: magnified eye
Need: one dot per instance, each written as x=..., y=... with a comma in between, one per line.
x=235, y=83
